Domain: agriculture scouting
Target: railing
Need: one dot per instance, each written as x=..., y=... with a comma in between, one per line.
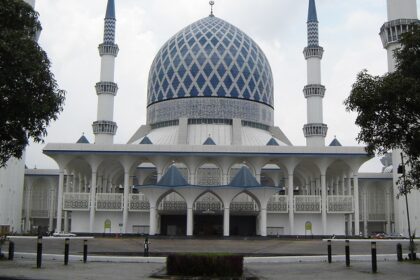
x=39, y=213
x=138, y=203
x=208, y=204
x=109, y=202
x=76, y=201
x=278, y=204
x=340, y=204
x=307, y=204
x=243, y=206
x=172, y=205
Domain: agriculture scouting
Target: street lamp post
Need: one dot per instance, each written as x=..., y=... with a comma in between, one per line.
x=404, y=189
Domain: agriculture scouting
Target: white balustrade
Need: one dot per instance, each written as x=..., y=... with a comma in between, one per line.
x=243, y=206
x=307, y=204
x=340, y=204
x=278, y=204
x=138, y=203
x=76, y=201
x=109, y=202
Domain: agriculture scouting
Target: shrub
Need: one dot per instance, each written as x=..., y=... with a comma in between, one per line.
x=211, y=265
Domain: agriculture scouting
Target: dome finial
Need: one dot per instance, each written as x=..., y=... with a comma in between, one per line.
x=211, y=7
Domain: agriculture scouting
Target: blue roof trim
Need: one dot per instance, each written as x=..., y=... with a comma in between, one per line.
x=172, y=178
x=244, y=179
x=207, y=154
x=83, y=140
x=272, y=142
x=312, y=15
x=209, y=141
x=335, y=143
x=110, y=10
x=146, y=141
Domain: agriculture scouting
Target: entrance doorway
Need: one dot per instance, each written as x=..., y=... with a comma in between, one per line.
x=173, y=225
x=208, y=225
x=243, y=225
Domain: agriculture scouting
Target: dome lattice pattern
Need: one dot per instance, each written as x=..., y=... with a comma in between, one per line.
x=210, y=58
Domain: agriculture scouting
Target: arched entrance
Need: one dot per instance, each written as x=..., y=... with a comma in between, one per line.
x=173, y=215
x=208, y=216
x=244, y=210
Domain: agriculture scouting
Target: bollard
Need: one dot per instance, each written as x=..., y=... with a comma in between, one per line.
x=329, y=251
x=85, y=249
x=347, y=253
x=399, y=252
x=66, y=251
x=374, y=261
x=39, y=252
x=11, y=250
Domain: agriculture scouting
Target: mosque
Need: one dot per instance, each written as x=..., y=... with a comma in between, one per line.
x=210, y=159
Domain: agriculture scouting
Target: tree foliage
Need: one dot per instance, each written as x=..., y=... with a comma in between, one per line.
x=388, y=106
x=29, y=95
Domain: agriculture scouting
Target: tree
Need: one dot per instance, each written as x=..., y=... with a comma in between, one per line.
x=29, y=95
x=388, y=107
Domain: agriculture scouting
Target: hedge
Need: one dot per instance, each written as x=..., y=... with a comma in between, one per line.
x=211, y=265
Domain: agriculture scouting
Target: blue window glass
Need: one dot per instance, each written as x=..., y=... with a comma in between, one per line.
x=170, y=94
x=201, y=58
x=251, y=85
x=188, y=59
x=251, y=63
x=221, y=70
x=221, y=92
x=187, y=81
x=226, y=42
x=234, y=70
x=246, y=94
x=175, y=83
x=214, y=41
x=214, y=58
x=181, y=92
x=257, y=96
x=201, y=81
x=237, y=43
x=234, y=92
x=244, y=52
x=166, y=62
x=194, y=91
x=196, y=48
x=240, y=83
x=240, y=62
x=165, y=85
x=203, y=40
x=181, y=71
x=208, y=48
x=214, y=81
x=160, y=95
x=228, y=82
x=161, y=74
x=209, y=34
x=233, y=50
x=208, y=69
x=228, y=59
x=194, y=70
x=261, y=87
x=221, y=49
x=184, y=50
x=170, y=73
x=191, y=41
x=208, y=91
x=177, y=60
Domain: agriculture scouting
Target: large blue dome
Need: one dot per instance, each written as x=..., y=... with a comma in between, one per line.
x=210, y=58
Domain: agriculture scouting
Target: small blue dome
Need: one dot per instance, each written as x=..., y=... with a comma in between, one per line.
x=210, y=58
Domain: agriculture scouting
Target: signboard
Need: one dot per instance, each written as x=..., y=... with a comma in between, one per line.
x=107, y=224
x=308, y=226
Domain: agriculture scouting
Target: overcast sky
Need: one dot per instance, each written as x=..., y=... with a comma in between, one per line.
x=73, y=29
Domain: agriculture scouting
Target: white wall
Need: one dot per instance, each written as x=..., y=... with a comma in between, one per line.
x=11, y=193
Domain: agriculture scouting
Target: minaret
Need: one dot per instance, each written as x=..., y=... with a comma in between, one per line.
x=315, y=130
x=105, y=128
x=401, y=13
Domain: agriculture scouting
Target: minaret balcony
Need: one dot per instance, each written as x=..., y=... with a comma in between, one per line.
x=314, y=90
x=391, y=31
x=313, y=51
x=108, y=49
x=106, y=88
x=104, y=127
x=315, y=129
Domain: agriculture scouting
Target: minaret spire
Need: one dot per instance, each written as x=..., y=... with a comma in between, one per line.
x=315, y=130
x=105, y=128
x=211, y=8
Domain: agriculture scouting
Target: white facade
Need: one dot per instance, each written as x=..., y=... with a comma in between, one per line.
x=401, y=13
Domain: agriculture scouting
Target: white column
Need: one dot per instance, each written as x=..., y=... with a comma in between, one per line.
x=356, y=205
x=343, y=185
x=28, y=208
x=226, y=221
x=152, y=220
x=350, y=224
x=60, y=200
x=291, y=204
x=92, y=201
x=125, y=208
x=365, y=213
x=190, y=224
x=51, y=211
x=324, y=204
x=348, y=185
x=263, y=222
x=66, y=214
x=388, y=211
